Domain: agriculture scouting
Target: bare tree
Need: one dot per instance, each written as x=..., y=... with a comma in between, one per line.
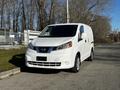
x=23, y=17
x=52, y=12
x=32, y=3
x=15, y=14
x=2, y=4
x=8, y=14
x=42, y=12
x=27, y=14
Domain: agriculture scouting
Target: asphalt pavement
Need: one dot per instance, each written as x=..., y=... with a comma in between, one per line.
x=101, y=74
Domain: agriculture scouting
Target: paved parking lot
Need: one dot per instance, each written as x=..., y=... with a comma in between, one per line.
x=101, y=74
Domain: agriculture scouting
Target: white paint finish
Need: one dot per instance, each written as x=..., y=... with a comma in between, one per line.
x=64, y=56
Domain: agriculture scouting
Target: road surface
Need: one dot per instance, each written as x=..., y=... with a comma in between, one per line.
x=101, y=74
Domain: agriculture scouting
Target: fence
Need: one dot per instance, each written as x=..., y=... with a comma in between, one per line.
x=4, y=36
x=11, y=38
x=8, y=37
x=29, y=35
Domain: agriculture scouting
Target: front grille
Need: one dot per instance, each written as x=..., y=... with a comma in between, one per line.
x=43, y=49
x=45, y=63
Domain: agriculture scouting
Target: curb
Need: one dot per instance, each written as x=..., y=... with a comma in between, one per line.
x=9, y=73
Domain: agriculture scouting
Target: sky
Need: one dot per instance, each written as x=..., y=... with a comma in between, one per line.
x=115, y=14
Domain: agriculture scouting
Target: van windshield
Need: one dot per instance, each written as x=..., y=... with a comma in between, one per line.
x=59, y=31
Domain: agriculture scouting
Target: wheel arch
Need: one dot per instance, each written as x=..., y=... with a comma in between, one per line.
x=79, y=55
x=92, y=49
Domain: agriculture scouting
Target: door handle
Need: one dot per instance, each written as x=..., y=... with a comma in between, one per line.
x=85, y=41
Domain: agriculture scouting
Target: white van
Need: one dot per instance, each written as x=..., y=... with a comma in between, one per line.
x=61, y=46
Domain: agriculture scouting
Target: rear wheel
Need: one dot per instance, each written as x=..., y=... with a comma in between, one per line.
x=76, y=67
x=91, y=56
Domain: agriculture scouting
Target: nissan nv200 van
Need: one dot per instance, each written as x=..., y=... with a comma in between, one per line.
x=61, y=46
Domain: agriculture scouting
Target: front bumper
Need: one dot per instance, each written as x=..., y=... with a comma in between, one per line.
x=61, y=59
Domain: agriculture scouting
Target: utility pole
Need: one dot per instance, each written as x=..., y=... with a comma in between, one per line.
x=68, y=14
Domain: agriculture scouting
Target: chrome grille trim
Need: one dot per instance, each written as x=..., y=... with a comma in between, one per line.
x=43, y=49
x=45, y=63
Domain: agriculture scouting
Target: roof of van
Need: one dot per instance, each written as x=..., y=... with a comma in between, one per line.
x=67, y=24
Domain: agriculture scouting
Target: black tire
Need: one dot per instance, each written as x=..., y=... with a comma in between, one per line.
x=77, y=64
x=91, y=56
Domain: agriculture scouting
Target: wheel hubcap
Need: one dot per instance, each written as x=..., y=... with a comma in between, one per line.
x=78, y=63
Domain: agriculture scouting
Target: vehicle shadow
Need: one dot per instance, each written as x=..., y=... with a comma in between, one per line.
x=19, y=61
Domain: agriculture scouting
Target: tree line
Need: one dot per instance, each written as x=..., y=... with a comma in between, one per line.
x=114, y=36
x=20, y=15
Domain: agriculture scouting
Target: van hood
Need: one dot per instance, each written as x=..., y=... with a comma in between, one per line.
x=50, y=41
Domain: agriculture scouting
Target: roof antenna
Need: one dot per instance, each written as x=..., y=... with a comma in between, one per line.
x=68, y=14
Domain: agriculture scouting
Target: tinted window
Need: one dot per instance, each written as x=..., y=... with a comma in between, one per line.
x=59, y=31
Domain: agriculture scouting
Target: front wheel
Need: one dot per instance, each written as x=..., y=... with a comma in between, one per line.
x=76, y=67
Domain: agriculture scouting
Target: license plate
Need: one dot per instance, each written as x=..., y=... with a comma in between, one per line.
x=41, y=58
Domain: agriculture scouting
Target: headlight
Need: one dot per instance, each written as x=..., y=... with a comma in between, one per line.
x=64, y=46
x=30, y=46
